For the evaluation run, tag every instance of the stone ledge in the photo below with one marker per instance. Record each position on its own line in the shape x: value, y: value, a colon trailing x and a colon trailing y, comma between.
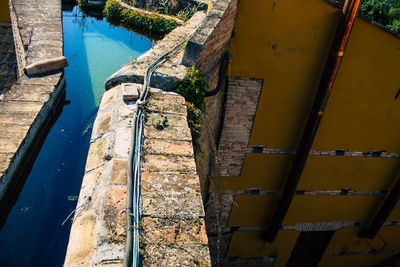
x: 163, y: 163
x: 164, y: 204
x: 170, y: 181
x: 168, y: 147
x: 165, y: 76
x: 209, y: 42
x: 172, y: 227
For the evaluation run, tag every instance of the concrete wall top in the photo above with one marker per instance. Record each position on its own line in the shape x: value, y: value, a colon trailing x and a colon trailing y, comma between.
x: 26, y: 107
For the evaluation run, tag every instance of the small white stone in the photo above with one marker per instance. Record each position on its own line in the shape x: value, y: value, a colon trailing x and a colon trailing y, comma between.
x: 131, y: 91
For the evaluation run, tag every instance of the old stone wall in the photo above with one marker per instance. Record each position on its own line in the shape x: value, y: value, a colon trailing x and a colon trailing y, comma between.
x: 172, y: 227
x: 207, y: 46
x: 28, y: 107
x: 8, y: 61
x: 166, y: 75
x: 172, y: 224
x: 207, y: 51
x: 98, y: 232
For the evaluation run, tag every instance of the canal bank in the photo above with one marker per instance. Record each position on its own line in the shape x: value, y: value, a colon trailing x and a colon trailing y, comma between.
x: 34, y: 229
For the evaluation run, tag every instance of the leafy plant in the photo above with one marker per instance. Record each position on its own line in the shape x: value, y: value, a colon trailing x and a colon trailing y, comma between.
x: 385, y: 12
x: 83, y: 4
x: 160, y: 124
x: 193, y: 87
x: 113, y: 11
x: 150, y: 24
x: 129, y: 2
x: 187, y: 12
x: 163, y: 6
x: 194, y: 121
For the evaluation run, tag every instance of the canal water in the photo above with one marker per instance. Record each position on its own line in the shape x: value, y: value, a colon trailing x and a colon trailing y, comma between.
x: 33, y: 234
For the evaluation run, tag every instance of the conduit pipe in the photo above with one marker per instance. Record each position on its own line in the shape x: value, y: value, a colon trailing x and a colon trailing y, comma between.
x: 131, y: 257
x: 383, y: 213
x: 221, y: 76
x: 317, y: 111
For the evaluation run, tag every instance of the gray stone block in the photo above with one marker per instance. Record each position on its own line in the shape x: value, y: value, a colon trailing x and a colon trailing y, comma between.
x: 131, y: 91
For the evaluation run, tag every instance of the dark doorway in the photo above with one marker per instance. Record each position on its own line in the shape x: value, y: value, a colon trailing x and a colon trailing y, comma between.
x: 309, y: 248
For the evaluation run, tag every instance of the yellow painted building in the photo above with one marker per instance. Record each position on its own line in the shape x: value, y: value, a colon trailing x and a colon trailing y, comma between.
x: 4, y: 11
x: 355, y: 156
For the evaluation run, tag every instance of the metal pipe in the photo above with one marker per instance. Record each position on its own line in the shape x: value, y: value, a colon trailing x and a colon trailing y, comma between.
x: 317, y: 111
x: 221, y: 77
x: 383, y: 213
x: 128, y: 248
x: 131, y: 257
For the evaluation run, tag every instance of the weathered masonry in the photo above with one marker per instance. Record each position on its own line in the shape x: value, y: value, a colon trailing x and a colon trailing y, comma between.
x: 262, y: 83
x: 172, y: 223
x: 30, y: 31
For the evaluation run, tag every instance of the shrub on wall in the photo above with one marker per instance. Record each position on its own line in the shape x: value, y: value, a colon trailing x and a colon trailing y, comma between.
x: 113, y: 11
x: 193, y: 88
x: 152, y: 24
x: 385, y: 12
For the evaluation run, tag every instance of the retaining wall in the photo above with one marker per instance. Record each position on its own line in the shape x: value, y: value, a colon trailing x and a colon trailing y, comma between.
x: 172, y: 224
x: 27, y: 109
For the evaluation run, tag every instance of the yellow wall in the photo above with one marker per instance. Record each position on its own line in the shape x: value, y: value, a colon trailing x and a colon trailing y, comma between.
x: 4, y: 12
x: 286, y: 44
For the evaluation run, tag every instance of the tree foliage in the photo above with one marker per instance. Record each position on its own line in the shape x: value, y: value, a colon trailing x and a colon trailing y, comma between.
x: 385, y: 12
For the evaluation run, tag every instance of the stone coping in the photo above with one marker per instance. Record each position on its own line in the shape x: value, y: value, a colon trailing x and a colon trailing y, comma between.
x: 27, y: 107
x: 170, y: 71
x: 210, y: 41
x: 172, y: 228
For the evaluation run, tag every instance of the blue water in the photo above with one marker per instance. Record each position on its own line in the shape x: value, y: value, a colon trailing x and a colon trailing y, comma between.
x: 33, y: 234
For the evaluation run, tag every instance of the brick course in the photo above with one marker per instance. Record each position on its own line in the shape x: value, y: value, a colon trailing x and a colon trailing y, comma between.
x: 241, y: 106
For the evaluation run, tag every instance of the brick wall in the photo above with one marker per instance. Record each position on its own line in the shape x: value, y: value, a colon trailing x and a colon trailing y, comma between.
x: 242, y: 97
x: 241, y: 106
x: 210, y: 41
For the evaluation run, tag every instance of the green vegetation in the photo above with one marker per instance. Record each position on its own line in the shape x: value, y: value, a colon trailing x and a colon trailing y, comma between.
x: 193, y: 88
x: 385, y: 12
x: 153, y: 25
x: 172, y: 8
x: 160, y: 124
x: 186, y: 13
x: 83, y: 4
